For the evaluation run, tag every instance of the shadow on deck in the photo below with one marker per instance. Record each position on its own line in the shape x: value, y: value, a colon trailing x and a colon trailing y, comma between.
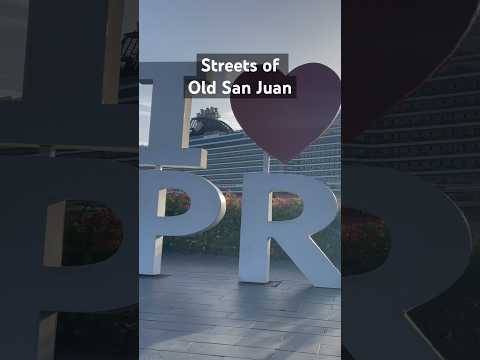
x: 198, y: 310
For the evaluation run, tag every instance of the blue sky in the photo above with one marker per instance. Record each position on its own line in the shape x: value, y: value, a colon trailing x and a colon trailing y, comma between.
x: 308, y: 30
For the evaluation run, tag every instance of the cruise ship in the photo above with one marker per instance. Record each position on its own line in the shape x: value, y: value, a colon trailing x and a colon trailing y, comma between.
x: 435, y: 132
x: 232, y: 154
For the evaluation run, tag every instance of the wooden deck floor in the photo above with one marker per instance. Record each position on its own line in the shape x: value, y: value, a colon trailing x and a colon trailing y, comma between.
x: 199, y: 311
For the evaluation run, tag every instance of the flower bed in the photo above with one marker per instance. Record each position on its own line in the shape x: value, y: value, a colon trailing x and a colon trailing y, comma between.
x: 224, y: 239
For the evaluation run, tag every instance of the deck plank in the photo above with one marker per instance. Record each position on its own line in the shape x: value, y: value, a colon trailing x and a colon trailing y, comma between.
x: 199, y: 310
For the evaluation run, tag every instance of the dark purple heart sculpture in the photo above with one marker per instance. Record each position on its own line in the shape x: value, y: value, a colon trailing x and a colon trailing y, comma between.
x: 389, y: 47
x: 284, y: 127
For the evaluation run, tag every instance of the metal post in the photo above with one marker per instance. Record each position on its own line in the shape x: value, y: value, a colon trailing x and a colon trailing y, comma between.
x: 266, y: 163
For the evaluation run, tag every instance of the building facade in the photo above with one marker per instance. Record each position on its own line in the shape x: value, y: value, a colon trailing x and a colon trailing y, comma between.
x: 128, y: 90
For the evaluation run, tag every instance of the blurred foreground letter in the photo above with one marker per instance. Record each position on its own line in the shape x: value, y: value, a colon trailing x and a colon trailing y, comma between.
x: 431, y: 246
